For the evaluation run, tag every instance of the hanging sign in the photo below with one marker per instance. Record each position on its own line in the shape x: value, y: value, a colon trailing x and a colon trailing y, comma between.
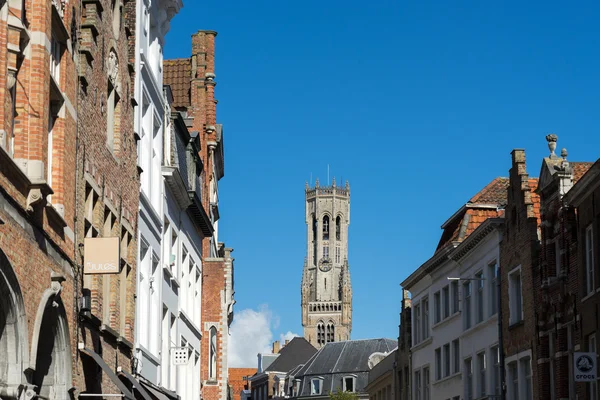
x: 101, y: 256
x: 585, y: 367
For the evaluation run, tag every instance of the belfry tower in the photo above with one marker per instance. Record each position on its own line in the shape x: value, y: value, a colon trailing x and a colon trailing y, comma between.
x: 326, y: 287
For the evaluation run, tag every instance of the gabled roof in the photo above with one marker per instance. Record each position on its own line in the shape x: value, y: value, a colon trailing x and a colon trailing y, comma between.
x: 296, y: 352
x: 487, y: 203
x: 178, y: 75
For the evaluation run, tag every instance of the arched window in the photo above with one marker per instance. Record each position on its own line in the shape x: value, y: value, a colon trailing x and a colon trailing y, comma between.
x: 330, y: 332
x: 326, y: 227
x: 212, y: 368
x: 338, y: 227
x: 321, y: 333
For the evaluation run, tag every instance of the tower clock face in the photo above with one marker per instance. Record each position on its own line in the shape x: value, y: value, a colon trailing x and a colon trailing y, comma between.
x: 324, y: 265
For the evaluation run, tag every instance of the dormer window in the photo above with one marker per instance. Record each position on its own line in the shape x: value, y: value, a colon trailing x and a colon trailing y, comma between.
x: 316, y: 386
x: 326, y: 227
x: 338, y: 224
x: 348, y: 383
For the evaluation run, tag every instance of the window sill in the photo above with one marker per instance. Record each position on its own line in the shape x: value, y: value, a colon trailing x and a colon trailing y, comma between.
x: 447, y: 378
x: 480, y: 325
x: 589, y: 295
x: 445, y: 320
x: 422, y: 344
x: 515, y: 325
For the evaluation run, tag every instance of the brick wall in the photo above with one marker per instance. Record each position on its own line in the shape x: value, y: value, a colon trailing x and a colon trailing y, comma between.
x: 519, y: 247
x: 37, y: 232
x: 107, y: 171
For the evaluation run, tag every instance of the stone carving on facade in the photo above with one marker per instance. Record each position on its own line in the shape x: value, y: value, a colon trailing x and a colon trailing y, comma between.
x: 34, y: 198
x: 112, y: 67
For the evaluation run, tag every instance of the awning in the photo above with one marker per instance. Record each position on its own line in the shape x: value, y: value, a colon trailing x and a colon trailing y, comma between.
x: 159, y: 394
x: 136, y: 385
x: 113, y: 377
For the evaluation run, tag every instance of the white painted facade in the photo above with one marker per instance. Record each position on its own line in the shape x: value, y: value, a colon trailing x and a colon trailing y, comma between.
x: 169, y: 272
x: 454, y: 334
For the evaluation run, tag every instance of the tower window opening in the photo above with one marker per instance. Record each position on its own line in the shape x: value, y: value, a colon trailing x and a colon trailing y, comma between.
x: 325, y: 252
x: 326, y: 227
x: 338, y: 222
x: 320, y: 333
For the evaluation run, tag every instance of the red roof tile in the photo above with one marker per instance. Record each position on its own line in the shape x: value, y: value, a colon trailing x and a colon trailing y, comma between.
x: 535, y: 199
x: 178, y: 75
x: 477, y: 211
x: 579, y: 169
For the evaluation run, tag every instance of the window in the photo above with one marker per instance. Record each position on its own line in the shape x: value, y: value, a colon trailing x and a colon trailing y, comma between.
x: 438, y: 364
x: 481, y: 365
x: 455, y: 297
x: 496, y: 380
x: 557, y: 255
x: 348, y: 383
x: 468, y: 379
x: 55, y: 56
x: 316, y: 386
x: 446, y: 360
x: 425, y: 384
x: 330, y: 332
x: 456, y: 350
x: 212, y: 368
x: 425, y: 310
x: 321, y: 333
x: 513, y: 381
x: 437, y: 305
x: 418, y: 387
x: 338, y: 227
x: 112, y: 116
x: 515, y: 296
x: 589, y: 258
x: 480, y: 283
x: 593, y: 386
x: 325, y: 252
x: 338, y: 257
x: 493, y: 273
x: 326, y: 227
x: 467, y: 307
x: 296, y: 387
x: 446, y: 298
x: 417, y: 325
x: 526, y: 366
x: 552, y: 354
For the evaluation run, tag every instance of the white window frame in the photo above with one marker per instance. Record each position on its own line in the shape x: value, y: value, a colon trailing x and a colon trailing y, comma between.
x: 495, y: 386
x: 468, y: 378
x: 493, y: 288
x: 437, y: 307
x: 468, y: 306
x: 313, y: 391
x: 589, y: 259
x: 447, y: 361
x: 345, y: 386
x: 417, y: 325
x: 456, y: 355
x: 482, y: 373
x: 455, y: 295
x: 516, y: 310
x: 425, y: 317
x: 516, y: 376
x: 479, y: 297
x: 446, y: 302
x: 438, y: 364
x: 418, y: 387
x: 426, y: 384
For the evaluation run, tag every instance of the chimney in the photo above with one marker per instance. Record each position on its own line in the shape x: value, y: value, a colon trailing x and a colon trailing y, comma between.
x: 286, y: 342
x: 276, y: 347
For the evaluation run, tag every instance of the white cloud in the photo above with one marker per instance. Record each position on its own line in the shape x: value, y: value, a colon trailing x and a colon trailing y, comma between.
x: 286, y: 336
x: 251, y: 334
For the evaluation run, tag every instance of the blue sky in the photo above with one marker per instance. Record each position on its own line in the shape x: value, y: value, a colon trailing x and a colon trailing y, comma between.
x: 417, y: 104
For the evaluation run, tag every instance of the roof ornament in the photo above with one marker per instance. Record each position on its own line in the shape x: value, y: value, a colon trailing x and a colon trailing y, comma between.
x: 565, y: 163
x: 317, y: 183
x: 333, y: 182
x: 552, y: 139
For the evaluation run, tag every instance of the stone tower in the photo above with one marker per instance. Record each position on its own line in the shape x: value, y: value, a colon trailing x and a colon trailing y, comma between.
x: 326, y: 287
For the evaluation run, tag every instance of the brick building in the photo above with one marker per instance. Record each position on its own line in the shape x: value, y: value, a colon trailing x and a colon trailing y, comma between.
x: 192, y: 81
x: 519, y: 264
x: 239, y: 381
x: 580, y: 244
x: 37, y: 198
x: 107, y: 193
x: 403, y: 363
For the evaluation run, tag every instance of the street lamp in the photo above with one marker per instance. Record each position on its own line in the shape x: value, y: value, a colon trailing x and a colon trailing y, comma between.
x: 500, y: 344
